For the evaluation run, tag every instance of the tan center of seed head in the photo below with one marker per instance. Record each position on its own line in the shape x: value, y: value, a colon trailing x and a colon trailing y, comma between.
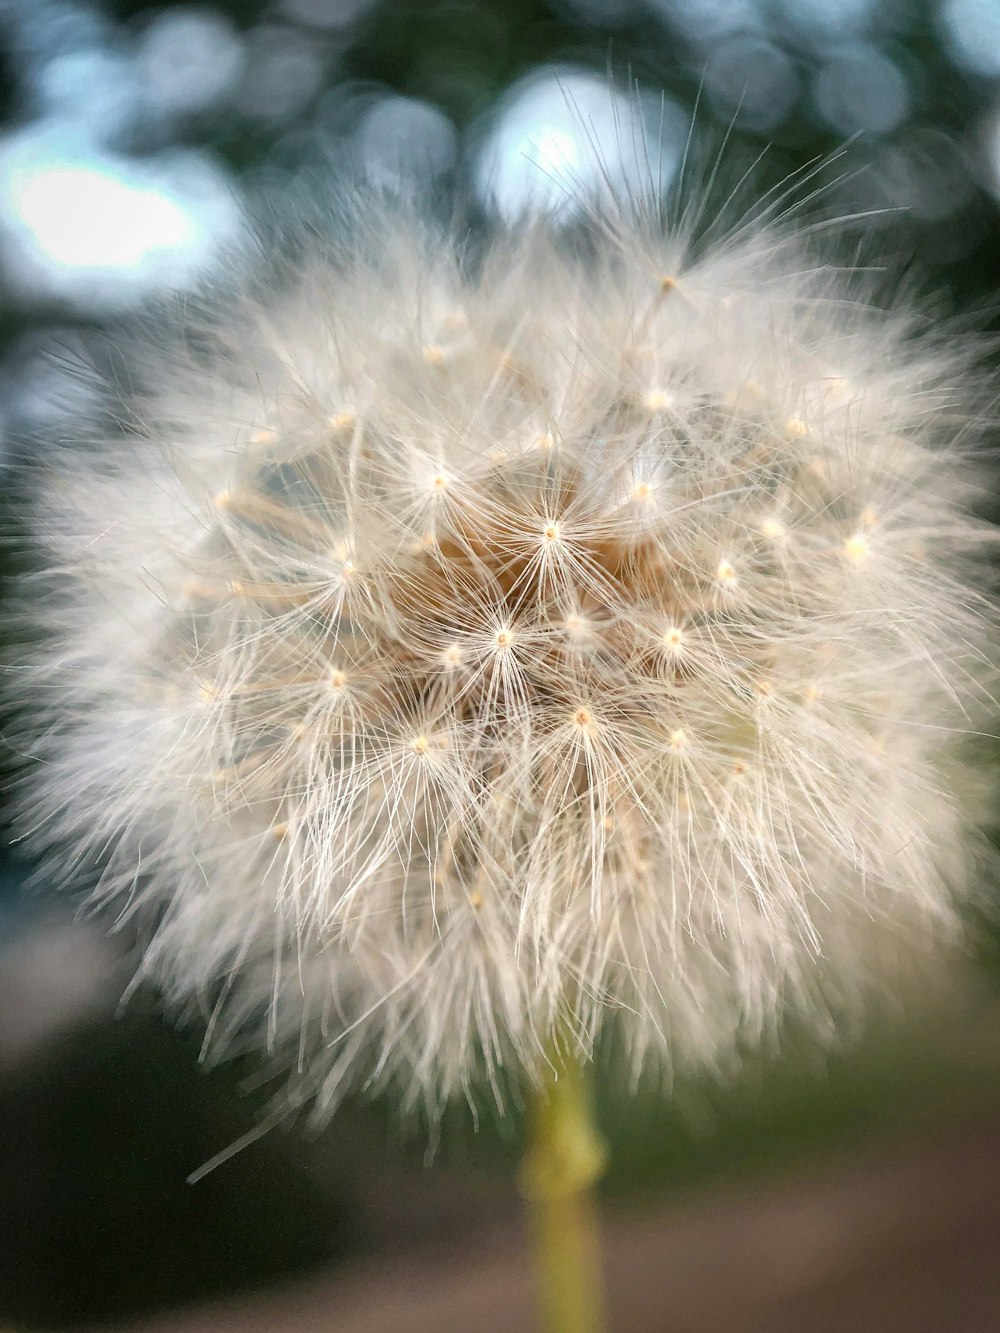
x: 421, y: 745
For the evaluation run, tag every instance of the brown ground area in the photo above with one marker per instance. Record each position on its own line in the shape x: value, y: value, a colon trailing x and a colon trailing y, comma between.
x: 904, y: 1239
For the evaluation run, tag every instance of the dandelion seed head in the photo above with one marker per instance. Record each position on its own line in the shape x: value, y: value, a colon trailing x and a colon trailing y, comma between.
x: 466, y: 645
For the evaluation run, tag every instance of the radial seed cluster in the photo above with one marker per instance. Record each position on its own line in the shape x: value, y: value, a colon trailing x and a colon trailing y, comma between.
x: 459, y: 647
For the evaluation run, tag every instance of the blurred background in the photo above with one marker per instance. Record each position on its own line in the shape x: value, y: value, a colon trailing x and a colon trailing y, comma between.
x: 854, y: 1191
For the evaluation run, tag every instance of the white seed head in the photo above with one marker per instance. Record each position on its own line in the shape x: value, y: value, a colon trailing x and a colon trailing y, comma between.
x: 409, y: 736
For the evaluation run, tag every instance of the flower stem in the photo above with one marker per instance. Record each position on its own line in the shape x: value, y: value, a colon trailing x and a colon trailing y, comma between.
x: 565, y: 1157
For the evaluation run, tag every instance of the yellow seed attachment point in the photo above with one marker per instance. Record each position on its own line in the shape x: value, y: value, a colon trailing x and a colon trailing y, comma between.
x: 262, y: 435
x: 342, y: 422
x: 338, y: 678
x: 434, y: 355
x: 796, y: 427
x: 583, y: 717
x: 452, y: 657
x: 774, y: 529
x: 551, y: 532
x: 421, y: 745
x: 856, y: 549
x: 667, y: 283
x: 503, y: 638
x: 658, y: 400
x: 725, y: 573
x: 673, y: 639
x: 455, y: 320
x: 678, y: 738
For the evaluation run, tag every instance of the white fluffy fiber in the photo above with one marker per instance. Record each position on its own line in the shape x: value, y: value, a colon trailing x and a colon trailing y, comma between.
x: 456, y: 646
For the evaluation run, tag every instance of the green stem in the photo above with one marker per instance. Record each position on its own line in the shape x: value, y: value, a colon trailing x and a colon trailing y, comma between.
x: 565, y: 1158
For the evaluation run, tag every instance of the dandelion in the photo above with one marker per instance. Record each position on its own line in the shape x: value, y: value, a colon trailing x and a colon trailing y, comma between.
x: 469, y: 651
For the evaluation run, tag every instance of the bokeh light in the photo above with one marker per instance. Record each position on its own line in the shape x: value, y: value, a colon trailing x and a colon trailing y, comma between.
x: 401, y: 140
x: 563, y: 136
x: 748, y: 77
x: 859, y: 89
x: 972, y: 32
x: 102, y: 230
x: 187, y: 61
